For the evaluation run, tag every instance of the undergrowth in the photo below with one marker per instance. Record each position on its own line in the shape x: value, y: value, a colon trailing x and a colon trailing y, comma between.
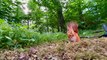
x: 17, y: 35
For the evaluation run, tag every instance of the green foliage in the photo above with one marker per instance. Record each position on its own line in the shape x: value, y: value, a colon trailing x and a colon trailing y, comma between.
x: 85, y: 32
x: 16, y: 35
x: 90, y: 33
x: 11, y: 11
x: 90, y: 14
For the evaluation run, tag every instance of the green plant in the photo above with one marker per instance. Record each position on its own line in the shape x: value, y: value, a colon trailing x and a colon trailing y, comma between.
x: 17, y: 35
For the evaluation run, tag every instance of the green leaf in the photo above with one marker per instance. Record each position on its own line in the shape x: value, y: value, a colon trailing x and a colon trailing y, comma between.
x: 8, y: 38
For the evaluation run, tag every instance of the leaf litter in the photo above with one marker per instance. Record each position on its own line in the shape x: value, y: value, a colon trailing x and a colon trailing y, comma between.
x: 87, y: 49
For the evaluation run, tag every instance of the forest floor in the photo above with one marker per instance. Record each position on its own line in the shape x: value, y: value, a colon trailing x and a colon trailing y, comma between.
x: 87, y: 49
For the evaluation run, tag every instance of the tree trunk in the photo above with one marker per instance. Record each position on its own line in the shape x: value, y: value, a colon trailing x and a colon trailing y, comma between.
x: 61, y: 21
x: 28, y: 23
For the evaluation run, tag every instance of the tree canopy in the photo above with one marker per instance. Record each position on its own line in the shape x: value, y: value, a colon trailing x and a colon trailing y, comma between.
x: 52, y: 15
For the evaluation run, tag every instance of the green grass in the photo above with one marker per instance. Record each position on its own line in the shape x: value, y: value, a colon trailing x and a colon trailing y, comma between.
x: 90, y: 33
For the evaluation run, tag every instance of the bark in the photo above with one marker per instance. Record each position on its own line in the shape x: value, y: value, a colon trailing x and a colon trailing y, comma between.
x: 28, y: 23
x: 61, y: 21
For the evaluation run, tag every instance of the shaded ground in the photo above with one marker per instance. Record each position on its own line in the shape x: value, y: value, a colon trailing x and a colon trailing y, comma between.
x: 87, y: 49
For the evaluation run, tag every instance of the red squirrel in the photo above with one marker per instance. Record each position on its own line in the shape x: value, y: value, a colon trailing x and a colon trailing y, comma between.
x: 72, y: 32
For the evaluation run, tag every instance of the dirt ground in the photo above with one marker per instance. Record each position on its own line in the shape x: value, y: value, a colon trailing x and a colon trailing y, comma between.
x: 87, y: 49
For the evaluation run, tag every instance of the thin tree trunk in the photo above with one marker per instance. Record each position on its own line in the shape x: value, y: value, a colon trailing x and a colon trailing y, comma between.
x: 28, y: 23
x: 61, y: 21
